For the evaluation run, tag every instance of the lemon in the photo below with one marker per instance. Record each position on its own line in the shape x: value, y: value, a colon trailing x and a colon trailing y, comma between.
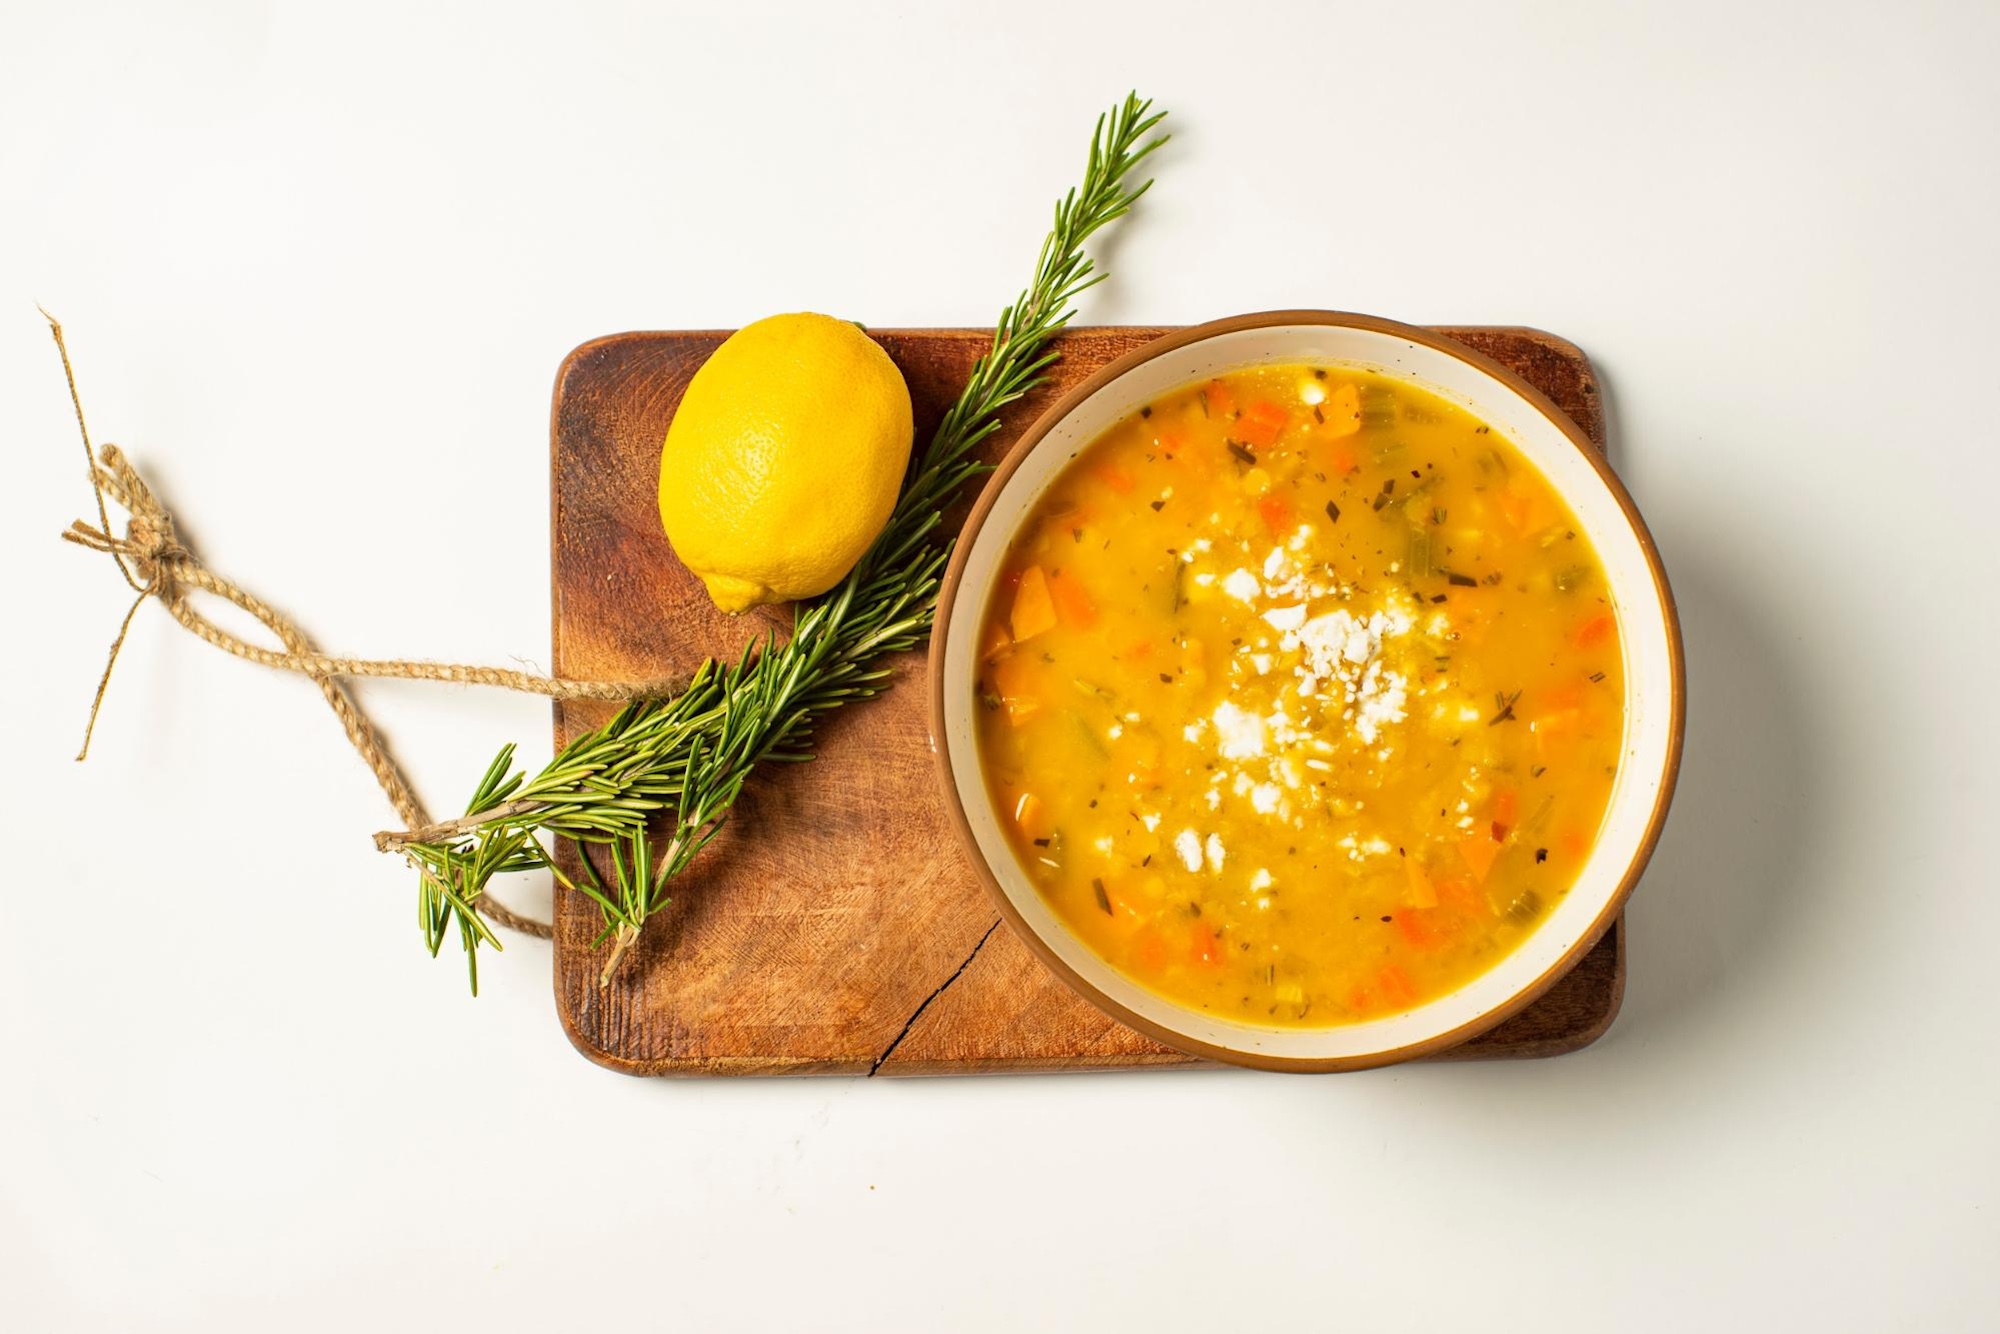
x: 784, y: 459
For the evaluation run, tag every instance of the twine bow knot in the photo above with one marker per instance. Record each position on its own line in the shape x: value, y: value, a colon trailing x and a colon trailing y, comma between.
x: 151, y: 548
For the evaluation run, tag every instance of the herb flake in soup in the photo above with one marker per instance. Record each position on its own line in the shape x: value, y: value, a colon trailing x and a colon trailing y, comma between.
x: 1301, y: 696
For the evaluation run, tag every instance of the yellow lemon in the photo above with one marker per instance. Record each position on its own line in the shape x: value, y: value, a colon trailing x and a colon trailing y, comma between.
x: 784, y: 459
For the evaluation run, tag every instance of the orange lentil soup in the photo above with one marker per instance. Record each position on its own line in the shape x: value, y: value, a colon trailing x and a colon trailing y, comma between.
x: 1301, y: 696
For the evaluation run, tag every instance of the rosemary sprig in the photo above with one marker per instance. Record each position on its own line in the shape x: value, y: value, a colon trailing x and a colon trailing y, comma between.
x: 685, y: 758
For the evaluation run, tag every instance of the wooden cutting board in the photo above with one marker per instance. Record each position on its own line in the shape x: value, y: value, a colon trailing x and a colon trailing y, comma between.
x: 834, y: 927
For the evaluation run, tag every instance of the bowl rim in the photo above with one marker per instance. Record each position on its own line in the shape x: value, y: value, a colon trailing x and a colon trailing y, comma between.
x: 955, y: 799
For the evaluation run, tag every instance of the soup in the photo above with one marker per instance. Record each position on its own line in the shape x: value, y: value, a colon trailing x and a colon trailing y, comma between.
x: 1300, y: 696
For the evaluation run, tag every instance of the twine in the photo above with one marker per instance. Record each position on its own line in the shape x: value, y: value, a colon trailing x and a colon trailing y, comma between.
x: 156, y: 564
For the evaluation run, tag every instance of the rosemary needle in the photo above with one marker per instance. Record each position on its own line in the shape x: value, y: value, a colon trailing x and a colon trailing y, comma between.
x: 681, y: 761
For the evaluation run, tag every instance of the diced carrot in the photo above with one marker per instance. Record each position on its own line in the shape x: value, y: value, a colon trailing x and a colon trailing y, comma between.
x: 1204, y: 948
x: 996, y: 640
x: 1034, y: 611
x: 1073, y: 604
x: 1149, y: 950
x: 1261, y: 422
x: 1342, y: 411
x: 1560, y: 712
x: 1479, y: 852
x: 1420, y: 927
x: 1457, y: 892
x: 1563, y: 699
x: 1220, y: 398
x: 1013, y: 677
x: 1575, y: 844
x: 1422, y: 894
x: 1524, y: 509
x: 1030, y: 816
x: 1117, y: 900
x: 1114, y: 477
x: 1199, y: 463
x: 1140, y: 651
x: 1395, y: 986
x: 1276, y: 511
x: 1360, y: 1000
x: 1506, y: 806
x: 1341, y: 459
x: 1552, y: 732
x: 1595, y: 630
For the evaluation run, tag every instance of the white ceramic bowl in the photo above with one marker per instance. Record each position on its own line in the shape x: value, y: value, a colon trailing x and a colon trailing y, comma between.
x: 1654, y: 686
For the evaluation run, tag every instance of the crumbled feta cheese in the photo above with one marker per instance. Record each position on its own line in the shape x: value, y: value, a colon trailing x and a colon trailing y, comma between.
x: 1187, y: 846
x: 1240, y: 734
x: 1340, y: 646
x: 1241, y: 585
x: 1214, y: 853
x: 1286, y: 618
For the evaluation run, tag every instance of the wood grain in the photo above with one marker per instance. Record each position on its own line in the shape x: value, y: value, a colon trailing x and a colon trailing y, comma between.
x: 834, y: 928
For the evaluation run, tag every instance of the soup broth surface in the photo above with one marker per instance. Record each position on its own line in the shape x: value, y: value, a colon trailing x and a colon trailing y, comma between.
x: 1300, y: 696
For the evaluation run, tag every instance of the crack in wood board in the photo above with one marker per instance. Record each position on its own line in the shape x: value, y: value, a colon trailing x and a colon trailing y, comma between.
x: 918, y: 1013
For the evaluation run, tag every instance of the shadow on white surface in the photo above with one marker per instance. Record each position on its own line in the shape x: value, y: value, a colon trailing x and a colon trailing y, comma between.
x: 1731, y: 867
x: 1731, y: 863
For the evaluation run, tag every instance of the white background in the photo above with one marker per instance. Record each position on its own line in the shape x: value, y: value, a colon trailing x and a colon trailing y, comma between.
x: 319, y: 264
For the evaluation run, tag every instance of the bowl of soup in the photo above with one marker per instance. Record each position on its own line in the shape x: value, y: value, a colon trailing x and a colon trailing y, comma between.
x: 1307, y: 691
